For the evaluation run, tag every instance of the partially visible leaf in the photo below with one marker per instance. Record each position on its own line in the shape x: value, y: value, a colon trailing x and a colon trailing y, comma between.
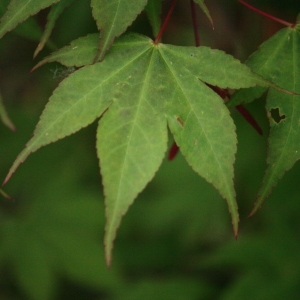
x: 246, y: 95
x: 53, y: 15
x: 4, y: 116
x: 284, y: 145
x: 28, y: 29
x: 79, y: 53
x: 261, y: 65
x: 112, y: 18
x: 205, y: 10
x: 5, y: 195
x: 18, y: 11
x: 153, y: 10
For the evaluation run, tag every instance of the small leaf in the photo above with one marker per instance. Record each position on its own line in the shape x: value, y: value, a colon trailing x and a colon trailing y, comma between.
x: 28, y: 29
x: 284, y: 150
x: 5, y: 195
x: 112, y: 18
x: 79, y: 53
x: 205, y: 10
x: 53, y: 15
x: 284, y: 145
x: 153, y: 10
x: 19, y: 10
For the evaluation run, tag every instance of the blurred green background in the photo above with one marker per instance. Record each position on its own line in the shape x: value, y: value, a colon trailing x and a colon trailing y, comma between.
x: 176, y: 241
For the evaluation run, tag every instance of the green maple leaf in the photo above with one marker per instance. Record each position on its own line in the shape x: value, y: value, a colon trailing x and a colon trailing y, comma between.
x: 139, y: 89
x: 279, y: 60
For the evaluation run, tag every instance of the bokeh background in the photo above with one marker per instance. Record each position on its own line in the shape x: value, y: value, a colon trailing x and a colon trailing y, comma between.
x: 176, y: 241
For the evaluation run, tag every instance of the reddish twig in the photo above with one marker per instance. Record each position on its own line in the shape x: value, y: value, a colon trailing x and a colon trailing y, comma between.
x: 165, y: 23
x: 240, y: 108
x: 249, y: 118
x: 285, y: 23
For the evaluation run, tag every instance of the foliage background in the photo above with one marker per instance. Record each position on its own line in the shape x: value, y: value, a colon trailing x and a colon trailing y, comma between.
x: 176, y: 240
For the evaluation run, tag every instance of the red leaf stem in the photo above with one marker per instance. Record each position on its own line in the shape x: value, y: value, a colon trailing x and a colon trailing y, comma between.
x: 285, y: 23
x: 249, y: 118
x: 165, y: 23
x: 240, y: 108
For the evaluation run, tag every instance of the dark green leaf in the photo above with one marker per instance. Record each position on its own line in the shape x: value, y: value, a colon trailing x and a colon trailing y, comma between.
x: 153, y: 10
x: 205, y: 9
x: 19, y: 10
x: 278, y: 60
x: 53, y: 15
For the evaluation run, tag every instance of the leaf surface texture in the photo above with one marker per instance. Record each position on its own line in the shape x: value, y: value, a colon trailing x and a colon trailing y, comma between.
x: 138, y: 90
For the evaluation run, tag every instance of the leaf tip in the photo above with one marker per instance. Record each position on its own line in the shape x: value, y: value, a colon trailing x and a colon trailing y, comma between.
x: 6, y: 179
x: 253, y: 211
x: 236, y: 229
x: 37, y: 51
x: 108, y: 254
x: 10, y: 125
x: 236, y: 234
x: 5, y: 195
x: 258, y: 203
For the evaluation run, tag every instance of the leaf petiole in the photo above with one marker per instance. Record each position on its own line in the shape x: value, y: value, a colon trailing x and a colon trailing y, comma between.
x: 285, y: 23
x: 165, y: 23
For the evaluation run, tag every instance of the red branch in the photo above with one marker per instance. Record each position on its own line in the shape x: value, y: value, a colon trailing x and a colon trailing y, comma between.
x: 166, y: 21
x: 249, y: 118
x: 285, y: 23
